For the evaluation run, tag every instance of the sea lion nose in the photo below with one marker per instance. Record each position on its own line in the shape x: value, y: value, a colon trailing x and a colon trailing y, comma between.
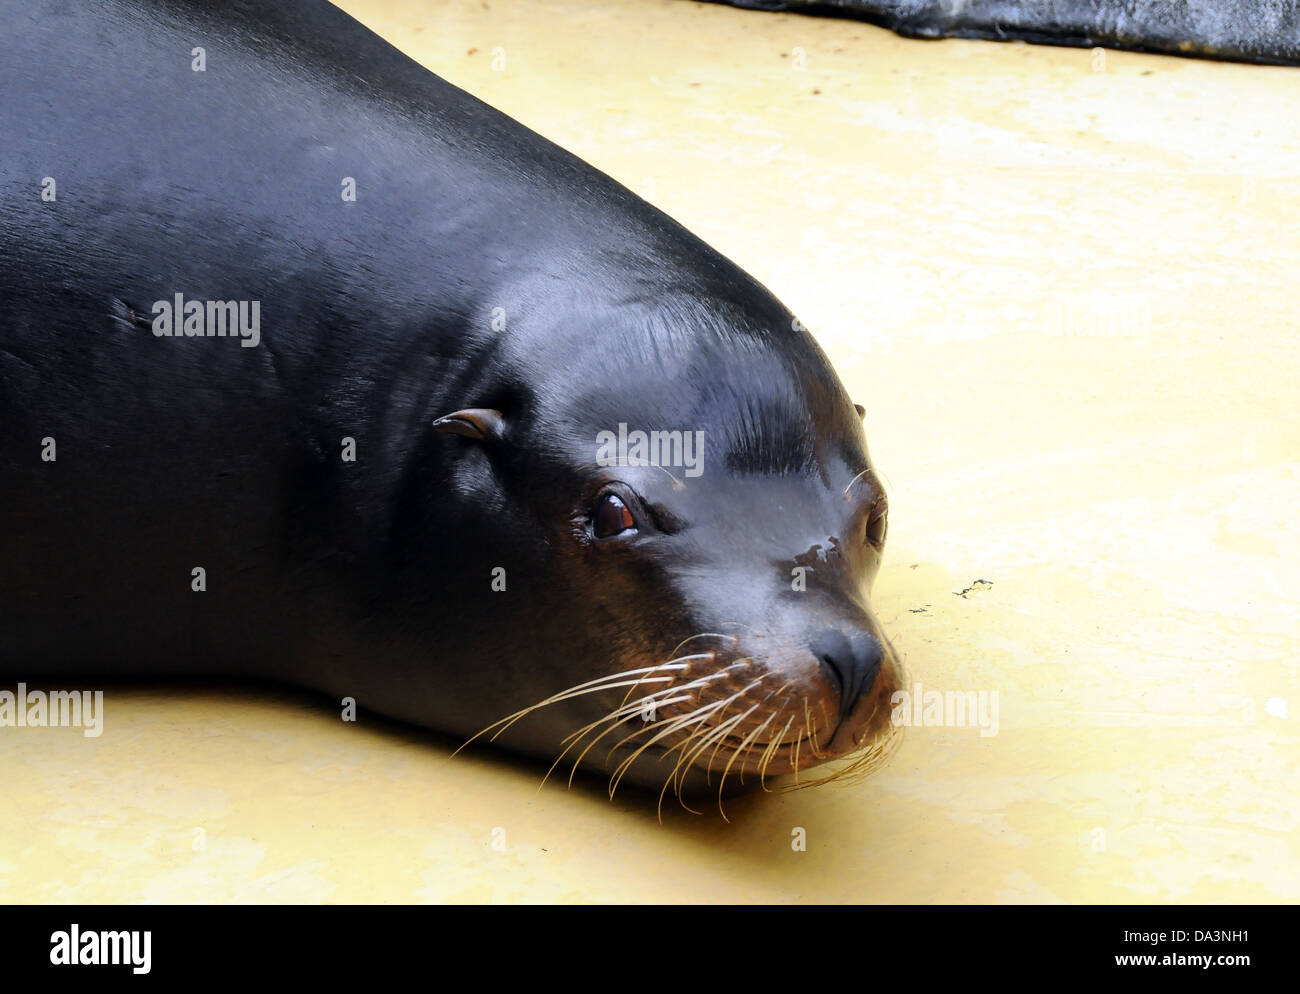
x: 850, y: 661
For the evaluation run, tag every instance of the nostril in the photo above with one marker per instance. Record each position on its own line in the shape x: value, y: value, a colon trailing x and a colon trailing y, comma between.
x: 837, y: 677
x: 833, y: 651
x: 850, y: 664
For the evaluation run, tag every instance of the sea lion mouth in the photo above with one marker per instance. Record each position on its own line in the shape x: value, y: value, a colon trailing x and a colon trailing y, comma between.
x: 739, y: 720
x: 714, y: 757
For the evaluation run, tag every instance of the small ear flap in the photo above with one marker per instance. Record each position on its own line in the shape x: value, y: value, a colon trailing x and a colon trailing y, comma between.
x: 478, y: 423
x: 862, y: 411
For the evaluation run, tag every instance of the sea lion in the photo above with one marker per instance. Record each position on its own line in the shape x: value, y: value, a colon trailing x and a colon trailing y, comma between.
x: 315, y: 369
x: 1262, y: 31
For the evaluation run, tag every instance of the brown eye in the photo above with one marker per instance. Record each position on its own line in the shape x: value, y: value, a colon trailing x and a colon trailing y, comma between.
x: 878, y: 525
x: 611, y: 517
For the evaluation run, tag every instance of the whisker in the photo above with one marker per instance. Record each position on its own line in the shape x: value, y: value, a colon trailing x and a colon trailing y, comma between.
x: 861, y: 765
x: 578, y: 690
x: 567, y: 696
x: 719, y: 732
x: 683, y: 745
x: 698, y: 682
x: 697, y: 726
x: 697, y: 715
x: 716, y: 736
x: 679, y: 659
x: 723, y: 728
x: 771, y: 752
x: 718, y: 635
x: 855, y: 480
x: 622, y: 713
x: 633, y: 712
x: 740, y: 693
x: 747, y: 743
x: 721, y: 736
x: 701, y: 681
x: 673, y: 724
x: 647, y: 699
x: 767, y: 697
x: 812, y: 731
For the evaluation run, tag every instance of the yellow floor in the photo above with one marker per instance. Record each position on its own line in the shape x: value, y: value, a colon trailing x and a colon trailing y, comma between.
x: 1064, y: 288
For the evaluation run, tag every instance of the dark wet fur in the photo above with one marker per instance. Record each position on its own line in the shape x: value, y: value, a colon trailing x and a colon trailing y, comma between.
x: 1262, y: 31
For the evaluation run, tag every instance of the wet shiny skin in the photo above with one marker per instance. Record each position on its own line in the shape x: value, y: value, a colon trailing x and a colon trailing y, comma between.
x: 1062, y: 296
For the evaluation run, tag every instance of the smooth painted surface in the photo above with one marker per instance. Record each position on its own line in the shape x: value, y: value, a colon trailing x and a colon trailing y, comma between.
x: 1063, y: 285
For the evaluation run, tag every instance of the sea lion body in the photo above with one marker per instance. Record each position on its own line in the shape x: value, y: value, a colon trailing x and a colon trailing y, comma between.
x: 1263, y: 31
x: 448, y: 573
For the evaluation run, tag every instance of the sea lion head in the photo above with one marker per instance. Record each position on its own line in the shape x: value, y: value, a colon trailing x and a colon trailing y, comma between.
x: 687, y: 510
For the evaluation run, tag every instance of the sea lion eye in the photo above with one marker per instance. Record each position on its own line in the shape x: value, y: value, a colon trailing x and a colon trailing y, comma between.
x: 611, y: 517
x: 878, y: 525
